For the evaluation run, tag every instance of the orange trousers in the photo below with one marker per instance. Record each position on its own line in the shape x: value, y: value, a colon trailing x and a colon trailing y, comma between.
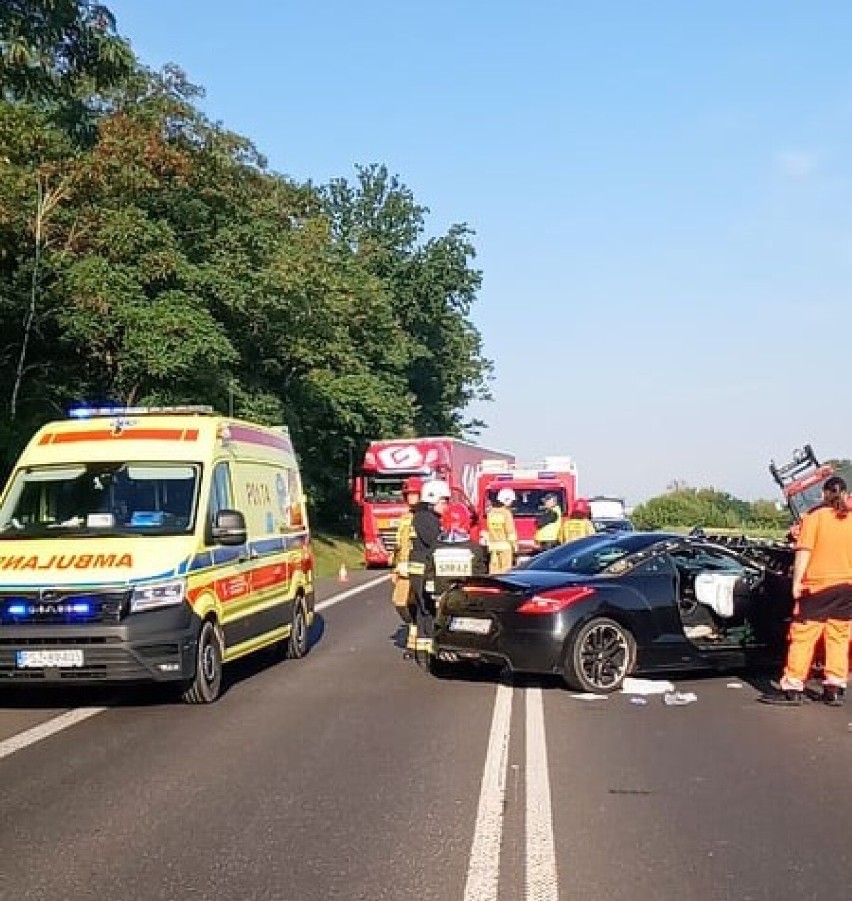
x: 803, y: 639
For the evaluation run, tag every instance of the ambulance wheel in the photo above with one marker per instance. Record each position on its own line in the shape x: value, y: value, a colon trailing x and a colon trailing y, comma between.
x: 298, y: 642
x: 207, y: 682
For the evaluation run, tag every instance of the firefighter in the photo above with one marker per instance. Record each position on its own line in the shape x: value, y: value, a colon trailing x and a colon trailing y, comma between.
x: 822, y: 589
x: 579, y: 525
x: 426, y: 531
x: 500, y: 532
x: 402, y: 596
x: 548, y: 523
x: 456, y: 555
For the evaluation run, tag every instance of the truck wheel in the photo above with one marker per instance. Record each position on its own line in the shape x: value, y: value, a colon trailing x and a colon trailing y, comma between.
x: 207, y: 682
x: 599, y: 657
x: 298, y: 643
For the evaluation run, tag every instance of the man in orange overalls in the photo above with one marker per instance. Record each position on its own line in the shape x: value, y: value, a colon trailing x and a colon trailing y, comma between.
x: 822, y: 589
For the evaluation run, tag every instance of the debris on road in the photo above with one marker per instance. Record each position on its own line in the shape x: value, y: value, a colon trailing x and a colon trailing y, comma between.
x: 632, y: 686
x: 679, y: 698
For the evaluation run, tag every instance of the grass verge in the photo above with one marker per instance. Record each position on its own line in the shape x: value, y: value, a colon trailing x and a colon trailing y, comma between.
x: 332, y: 550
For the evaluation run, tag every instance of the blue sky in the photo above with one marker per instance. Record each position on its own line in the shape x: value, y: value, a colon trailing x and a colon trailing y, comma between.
x: 661, y: 193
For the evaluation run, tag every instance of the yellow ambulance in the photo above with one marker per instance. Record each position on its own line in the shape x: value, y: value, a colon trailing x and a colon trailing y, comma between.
x: 152, y: 544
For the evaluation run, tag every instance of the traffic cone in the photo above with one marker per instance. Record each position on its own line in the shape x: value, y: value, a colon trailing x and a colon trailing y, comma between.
x: 342, y: 574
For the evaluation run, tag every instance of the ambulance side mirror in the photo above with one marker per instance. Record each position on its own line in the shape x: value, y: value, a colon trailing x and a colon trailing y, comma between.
x: 229, y: 528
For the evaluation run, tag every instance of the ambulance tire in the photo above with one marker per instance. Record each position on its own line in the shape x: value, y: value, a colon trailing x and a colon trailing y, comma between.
x: 298, y: 642
x: 207, y: 682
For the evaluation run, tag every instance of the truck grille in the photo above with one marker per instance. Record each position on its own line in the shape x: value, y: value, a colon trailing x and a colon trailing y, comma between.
x: 62, y: 607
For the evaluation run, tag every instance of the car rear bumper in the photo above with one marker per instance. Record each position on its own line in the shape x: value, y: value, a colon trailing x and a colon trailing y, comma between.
x: 534, y: 649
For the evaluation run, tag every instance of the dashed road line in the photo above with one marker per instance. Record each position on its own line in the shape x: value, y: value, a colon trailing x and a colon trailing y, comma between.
x: 45, y: 730
x: 337, y: 598
x: 72, y: 717
x: 483, y: 873
x: 542, y: 881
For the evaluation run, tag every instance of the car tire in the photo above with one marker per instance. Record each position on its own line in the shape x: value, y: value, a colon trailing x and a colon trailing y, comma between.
x: 207, y: 681
x: 298, y: 642
x: 600, y: 655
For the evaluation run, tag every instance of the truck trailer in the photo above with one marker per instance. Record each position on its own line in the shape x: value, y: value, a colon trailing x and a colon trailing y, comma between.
x: 388, y: 463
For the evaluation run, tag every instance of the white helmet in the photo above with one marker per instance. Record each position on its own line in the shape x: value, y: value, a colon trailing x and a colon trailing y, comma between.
x: 434, y: 491
x: 505, y: 496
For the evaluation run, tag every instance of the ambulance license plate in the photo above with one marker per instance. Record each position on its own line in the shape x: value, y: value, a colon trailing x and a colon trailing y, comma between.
x: 64, y: 659
x: 470, y: 624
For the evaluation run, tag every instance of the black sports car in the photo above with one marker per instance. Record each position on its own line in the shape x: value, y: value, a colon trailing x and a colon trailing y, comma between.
x: 600, y: 608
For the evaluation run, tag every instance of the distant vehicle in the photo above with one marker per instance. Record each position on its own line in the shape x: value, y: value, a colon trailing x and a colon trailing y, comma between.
x: 377, y: 487
x: 609, y: 514
x: 531, y: 482
x: 801, y: 480
x: 600, y: 608
x: 613, y: 525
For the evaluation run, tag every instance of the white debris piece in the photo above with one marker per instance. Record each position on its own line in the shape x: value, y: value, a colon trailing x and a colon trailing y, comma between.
x: 632, y: 686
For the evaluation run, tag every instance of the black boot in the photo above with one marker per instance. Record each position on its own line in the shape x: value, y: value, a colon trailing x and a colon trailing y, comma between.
x: 784, y: 698
x: 832, y: 695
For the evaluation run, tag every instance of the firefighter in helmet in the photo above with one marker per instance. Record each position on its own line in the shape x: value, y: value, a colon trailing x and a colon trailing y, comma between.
x: 548, y: 523
x: 579, y: 525
x: 425, y: 534
x: 500, y: 532
x: 456, y: 555
x: 402, y: 597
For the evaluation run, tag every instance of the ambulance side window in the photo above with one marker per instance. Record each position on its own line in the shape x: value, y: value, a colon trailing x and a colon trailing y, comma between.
x: 221, y: 497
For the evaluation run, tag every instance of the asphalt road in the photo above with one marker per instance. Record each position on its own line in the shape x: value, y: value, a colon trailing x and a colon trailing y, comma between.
x: 352, y: 774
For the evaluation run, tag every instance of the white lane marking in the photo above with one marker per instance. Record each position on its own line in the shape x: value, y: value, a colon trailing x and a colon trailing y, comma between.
x: 337, y: 598
x: 542, y: 882
x: 72, y: 717
x: 45, y: 730
x: 483, y: 871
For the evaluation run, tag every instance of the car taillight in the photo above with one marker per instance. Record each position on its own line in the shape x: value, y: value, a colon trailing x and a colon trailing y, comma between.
x: 481, y: 589
x: 554, y: 601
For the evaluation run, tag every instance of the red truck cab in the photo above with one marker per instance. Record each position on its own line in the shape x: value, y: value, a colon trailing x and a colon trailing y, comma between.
x: 378, y: 486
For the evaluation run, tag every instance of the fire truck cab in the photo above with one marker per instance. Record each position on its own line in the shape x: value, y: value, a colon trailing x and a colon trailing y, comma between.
x: 531, y: 482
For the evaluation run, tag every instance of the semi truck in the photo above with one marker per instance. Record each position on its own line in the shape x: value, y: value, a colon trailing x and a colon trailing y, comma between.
x: 531, y: 482
x: 378, y: 484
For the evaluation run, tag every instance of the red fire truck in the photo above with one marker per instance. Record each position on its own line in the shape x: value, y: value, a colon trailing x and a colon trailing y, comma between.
x: 531, y: 482
x: 386, y: 466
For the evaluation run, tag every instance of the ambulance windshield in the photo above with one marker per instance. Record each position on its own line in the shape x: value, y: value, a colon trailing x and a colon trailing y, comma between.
x: 87, y: 499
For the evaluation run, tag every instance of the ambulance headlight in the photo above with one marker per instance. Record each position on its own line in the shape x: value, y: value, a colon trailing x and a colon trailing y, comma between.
x: 160, y: 594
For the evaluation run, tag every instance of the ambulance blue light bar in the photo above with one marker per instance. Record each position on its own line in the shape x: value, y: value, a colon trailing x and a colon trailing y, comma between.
x: 79, y: 608
x: 93, y: 412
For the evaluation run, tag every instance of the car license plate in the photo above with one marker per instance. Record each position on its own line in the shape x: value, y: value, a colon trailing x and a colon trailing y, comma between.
x: 48, y: 659
x: 470, y: 624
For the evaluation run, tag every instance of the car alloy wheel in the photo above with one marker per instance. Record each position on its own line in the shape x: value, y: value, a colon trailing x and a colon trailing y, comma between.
x: 600, y: 656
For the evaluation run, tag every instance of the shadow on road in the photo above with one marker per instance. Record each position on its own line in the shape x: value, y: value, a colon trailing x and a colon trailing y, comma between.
x: 33, y: 696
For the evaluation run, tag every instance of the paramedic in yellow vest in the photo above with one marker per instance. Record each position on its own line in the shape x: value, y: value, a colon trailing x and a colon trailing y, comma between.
x: 548, y: 523
x: 580, y: 524
x: 402, y: 597
x: 500, y: 533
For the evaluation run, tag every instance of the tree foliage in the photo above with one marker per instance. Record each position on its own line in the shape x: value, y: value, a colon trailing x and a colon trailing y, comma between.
x: 682, y: 506
x: 161, y: 261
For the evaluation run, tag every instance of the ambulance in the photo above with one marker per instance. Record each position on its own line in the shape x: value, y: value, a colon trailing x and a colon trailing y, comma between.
x: 152, y: 545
